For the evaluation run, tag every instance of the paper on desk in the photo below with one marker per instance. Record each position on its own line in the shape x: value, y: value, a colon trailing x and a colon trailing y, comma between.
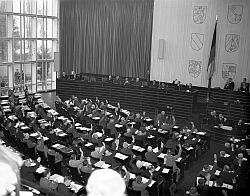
x: 165, y: 171
x: 227, y: 155
x: 217, y: 172
x: 34, y: 134
x: 158, y: 168
x: 108, y: 139
x: 118, y: 126
x: 151, y: 136
x: 121, y: 156
x: 162, y: 155
x: 179, y: 159
x: 57, y: 178
x: 78, y: 124
x: 40, y: 169
x: 201, y: 133
x: 155, y: 150
x: 146, y: 164
x: 62, y: 134
x: 210, y: 183
x: 75, y: 187
x: 88, y: 144
x: 145, y: 180
x: 190, y: 148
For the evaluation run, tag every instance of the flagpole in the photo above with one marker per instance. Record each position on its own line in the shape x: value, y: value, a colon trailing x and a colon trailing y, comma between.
x: 211, y: 70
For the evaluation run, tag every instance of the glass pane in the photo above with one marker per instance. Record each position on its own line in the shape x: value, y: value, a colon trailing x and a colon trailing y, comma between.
x: 40, y: 28
x: 16, y: 6
x: 41, y: 76
x: 5, y: 6
x: 4, y: 80
x: 28, y: 50
x: 17, y: 50
x: 54, y: 28
x: 17, y: 74
x: 28, y: 27
x: 55, y: 4
x: 27, y: 73
x: 40, y: 49
x: 49, y: 7
x: 16, y: 26
x: 49, y: 76
x: 40, y: 9
x: 49, y: 49
x: 3, y: 26
x: 49, y: 28
x: 3, y: 50
x: 27, y: 6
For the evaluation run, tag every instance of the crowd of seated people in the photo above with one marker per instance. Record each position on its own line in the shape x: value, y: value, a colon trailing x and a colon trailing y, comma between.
x: 176, y: 84
x: 76, y: 137
x: 229, y: 173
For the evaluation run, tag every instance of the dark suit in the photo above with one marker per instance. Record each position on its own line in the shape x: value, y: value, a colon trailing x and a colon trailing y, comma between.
x: 244, y: 88
x: 63, y: 189
x: 28, y: 172
x: 229, y: 86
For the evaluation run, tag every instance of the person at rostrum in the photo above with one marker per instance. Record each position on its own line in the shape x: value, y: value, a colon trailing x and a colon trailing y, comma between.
x: 229, y: 85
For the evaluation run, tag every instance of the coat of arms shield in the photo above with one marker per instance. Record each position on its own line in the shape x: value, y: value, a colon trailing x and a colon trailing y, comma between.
x: 232, y: 42
x: 228, y: 70
x: 234, y: 14
x: 199, y: 14
x: 194, y: 68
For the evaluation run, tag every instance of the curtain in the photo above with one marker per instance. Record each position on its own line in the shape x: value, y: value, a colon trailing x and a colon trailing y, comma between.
x: 187, y: 27
x: 110, y: 37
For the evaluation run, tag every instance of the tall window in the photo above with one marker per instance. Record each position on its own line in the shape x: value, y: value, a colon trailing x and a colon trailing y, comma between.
x: 28, y: 40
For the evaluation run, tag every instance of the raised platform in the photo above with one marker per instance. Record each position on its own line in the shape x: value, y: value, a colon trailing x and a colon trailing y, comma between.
x: 133, y: 98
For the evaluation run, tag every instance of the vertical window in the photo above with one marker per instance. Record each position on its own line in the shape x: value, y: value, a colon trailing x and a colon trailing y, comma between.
x: 28, y: 40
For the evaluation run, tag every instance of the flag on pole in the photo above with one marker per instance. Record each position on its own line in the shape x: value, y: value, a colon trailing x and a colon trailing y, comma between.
x: 211, y: 61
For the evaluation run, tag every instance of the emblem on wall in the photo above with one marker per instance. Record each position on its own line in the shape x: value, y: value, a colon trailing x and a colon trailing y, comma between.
x: 194, y: 68
x: 228, y: 70
x: 234, y: 14
x: 199, y: 14
x: 197, y: 41
x: 232, y: 42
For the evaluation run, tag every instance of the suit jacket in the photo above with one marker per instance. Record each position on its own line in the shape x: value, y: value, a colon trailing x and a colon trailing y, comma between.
x: 152, y: 156
x: 244, y: 88
x: 229, y: 86
x: 64, y: 190
x: 28, y: 172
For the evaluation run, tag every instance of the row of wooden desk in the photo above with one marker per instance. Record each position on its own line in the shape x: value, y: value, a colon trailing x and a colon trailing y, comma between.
x: 232, y: 104
x: 133, y: 98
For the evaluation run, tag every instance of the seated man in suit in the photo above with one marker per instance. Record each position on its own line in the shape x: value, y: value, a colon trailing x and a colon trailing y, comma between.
x: 137, y: 82
x: 170, y: 161
x: 226, y: 175
x: 229, y: 85
x: 63, y: 189
x: 152, y: 156
x: 98, y: 152
x: 138, y: 185
x: 27, y: 170
x: 126, y: 82
x: 117, y: 80
x: 222, y: 160
x: 85, y: 167
x: 160, y: 119
x: 127, y: 149
x: 46, y: 183
x: 244, y: 86
x: 73, y: 162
